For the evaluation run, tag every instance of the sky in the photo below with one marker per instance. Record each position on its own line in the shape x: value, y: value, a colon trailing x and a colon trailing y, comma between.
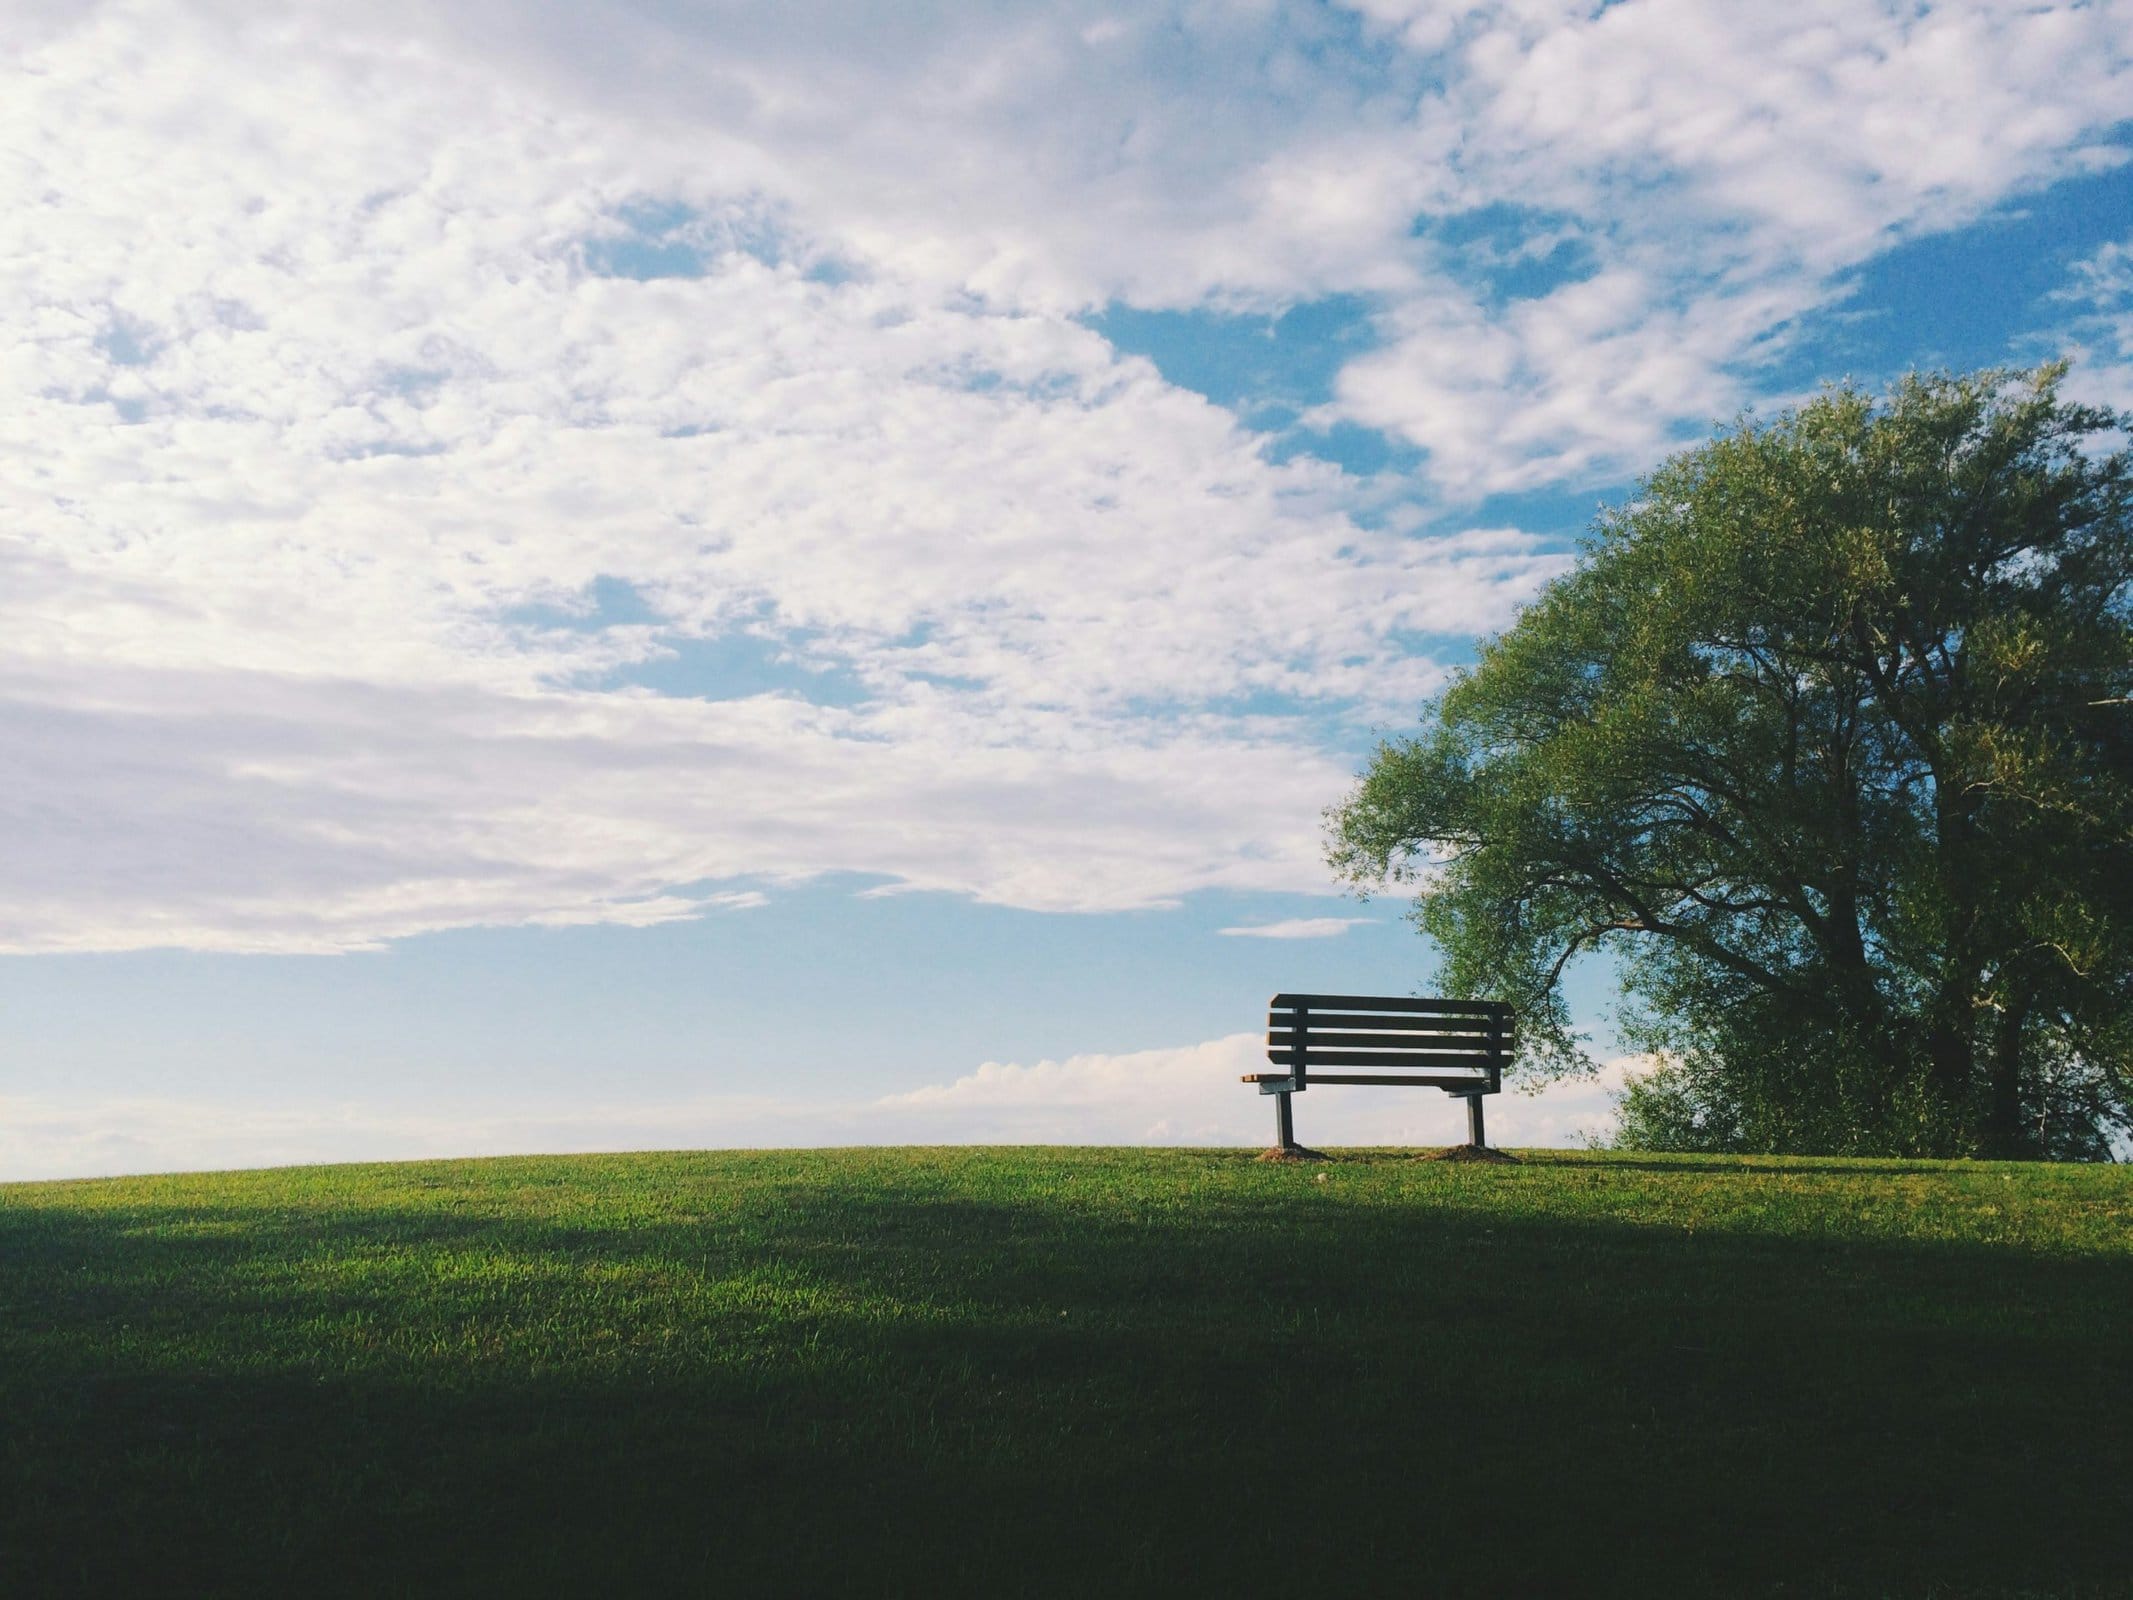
x: 650, y: 575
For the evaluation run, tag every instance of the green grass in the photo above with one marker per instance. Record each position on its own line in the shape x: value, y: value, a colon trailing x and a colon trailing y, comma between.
x: 1055, y: 1371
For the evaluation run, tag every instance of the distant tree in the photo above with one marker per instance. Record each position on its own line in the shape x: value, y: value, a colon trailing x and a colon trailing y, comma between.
x: 1827, y: 740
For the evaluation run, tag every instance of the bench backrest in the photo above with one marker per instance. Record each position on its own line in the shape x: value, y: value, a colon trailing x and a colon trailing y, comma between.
x: 1390, y: 1034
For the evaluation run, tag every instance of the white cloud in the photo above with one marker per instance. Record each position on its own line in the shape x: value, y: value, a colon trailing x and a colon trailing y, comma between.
x: 299, y: 448
x: 1299, y: 928
x: 2099, y: 335
x: 262, y: 812
x: 1193, y: 1095
x: 312, y: 409
x: 1188, y: 1095
x: 1587, y: 383
x: 1725, y: 165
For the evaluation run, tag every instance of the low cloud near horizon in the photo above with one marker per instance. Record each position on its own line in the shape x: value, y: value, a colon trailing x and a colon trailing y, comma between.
x: 1182, y: 1096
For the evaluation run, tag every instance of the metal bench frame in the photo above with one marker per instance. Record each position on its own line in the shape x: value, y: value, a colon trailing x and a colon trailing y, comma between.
x: 1459, y: 1046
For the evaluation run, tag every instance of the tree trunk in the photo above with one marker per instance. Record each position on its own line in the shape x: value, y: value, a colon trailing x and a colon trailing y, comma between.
x: 1952, y: 1021
x: 2006, y: 1135
x: 1950, y: 1062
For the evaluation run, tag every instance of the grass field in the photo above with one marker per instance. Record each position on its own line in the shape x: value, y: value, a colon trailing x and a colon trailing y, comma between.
x: 1070, y: 1371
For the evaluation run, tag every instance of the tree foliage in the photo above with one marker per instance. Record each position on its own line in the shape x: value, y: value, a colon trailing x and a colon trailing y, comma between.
x: 1826, y: 740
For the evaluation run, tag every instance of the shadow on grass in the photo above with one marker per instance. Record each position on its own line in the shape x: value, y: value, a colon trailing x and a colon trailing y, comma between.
x: 798, y: 1389
x: 1805, y: 1166
x: 1697, y: 1168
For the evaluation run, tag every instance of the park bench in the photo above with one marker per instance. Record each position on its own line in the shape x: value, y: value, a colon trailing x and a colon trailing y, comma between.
x: 1459, y: 1046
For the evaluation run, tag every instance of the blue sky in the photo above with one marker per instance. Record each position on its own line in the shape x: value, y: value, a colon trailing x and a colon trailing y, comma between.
x: 673, y: 576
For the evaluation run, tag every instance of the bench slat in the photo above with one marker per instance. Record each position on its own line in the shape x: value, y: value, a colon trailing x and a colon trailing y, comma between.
x: 1319, y: 1038
x: 1394, y: 1020
x: 1402, y: 1081
x: 1476, y: 1085
x: 1314, y: 1058
x: 1365, y: 1002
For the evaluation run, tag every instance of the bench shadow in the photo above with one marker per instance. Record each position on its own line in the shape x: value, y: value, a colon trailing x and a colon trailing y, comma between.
x: 790, y: 1390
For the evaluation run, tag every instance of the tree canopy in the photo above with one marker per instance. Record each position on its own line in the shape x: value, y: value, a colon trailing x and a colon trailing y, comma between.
x: 1827, y: 741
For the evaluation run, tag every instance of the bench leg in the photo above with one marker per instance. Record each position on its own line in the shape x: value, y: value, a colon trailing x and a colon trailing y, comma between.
x: 1285, y: 1146
x: 1474, y: 1135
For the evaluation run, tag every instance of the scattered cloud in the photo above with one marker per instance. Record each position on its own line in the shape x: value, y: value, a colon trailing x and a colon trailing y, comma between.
x: 344, y: 354
x: 1299, y: 928
x: 1720, y: 169
x: 2099, y: 296
x: 261, y: 812
x: 307, y: 454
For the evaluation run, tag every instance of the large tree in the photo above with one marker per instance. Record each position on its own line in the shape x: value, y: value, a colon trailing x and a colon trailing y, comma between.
x: 1826, y: 740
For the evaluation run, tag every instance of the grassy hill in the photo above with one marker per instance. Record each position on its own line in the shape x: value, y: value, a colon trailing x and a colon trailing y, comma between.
x: 1055, y: 1371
